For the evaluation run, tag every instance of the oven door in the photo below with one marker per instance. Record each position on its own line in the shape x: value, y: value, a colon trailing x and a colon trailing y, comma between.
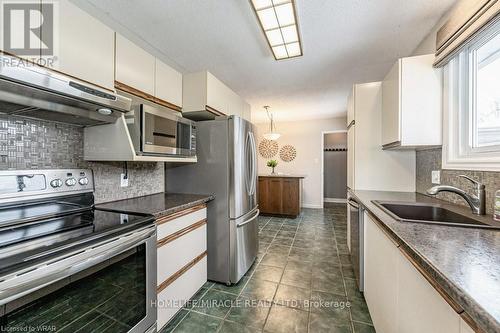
x: 107, y: 287
x: 165, y: 133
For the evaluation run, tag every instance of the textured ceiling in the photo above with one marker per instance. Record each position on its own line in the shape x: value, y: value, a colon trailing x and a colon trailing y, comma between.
x: 344, y: 41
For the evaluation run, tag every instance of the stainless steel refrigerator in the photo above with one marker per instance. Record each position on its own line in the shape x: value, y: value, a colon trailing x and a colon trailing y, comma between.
x: 226, y: 167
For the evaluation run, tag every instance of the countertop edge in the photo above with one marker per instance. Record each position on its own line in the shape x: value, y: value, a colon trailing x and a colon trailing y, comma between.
x: 475, y: 311
x: 282, y: 176
x: 115, y: 205
x: 184, y: 206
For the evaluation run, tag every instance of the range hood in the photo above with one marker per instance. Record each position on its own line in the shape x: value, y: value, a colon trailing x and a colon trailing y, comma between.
x: 32, y: 91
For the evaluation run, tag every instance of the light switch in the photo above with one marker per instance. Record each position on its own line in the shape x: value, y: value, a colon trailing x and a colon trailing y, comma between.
x: 436, y: 176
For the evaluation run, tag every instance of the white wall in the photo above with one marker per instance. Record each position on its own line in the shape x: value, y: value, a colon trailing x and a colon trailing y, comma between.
x: 306, y: 137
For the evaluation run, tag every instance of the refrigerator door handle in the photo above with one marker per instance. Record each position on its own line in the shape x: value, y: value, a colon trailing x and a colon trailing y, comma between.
x: 249, y: 163
x: 254, y: 164
x: 249, y: 220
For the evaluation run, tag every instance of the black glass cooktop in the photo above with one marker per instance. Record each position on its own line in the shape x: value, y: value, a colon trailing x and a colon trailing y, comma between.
x: 30, y: 229
x: 66, y: 227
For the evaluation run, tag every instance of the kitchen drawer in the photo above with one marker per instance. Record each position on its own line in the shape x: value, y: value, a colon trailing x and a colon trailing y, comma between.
x: 172, y: 298
x: 180, y: 249
x: 172, y: 223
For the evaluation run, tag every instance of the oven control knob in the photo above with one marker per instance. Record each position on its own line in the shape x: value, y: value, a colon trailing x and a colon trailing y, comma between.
x: 83, y: 181
x: 56, y: 183
x: 71, y: 181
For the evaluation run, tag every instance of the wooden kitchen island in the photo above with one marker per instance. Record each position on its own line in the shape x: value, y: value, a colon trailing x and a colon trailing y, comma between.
x: 280, y: 195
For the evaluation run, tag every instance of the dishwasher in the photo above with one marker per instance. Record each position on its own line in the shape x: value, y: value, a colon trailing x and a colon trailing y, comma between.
x: 357, y: 240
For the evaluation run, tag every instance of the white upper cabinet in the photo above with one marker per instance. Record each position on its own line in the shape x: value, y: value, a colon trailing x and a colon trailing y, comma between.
x: 411, y: 104
x: 168, y: 84
x: 369, y: 167
x: 134, y: 66
x: 218, y: 94
x: 18, y: 43
x: 205, y: 95
x: 235, y: 104
x: 86, y: 47
x: 350, y: 156
x: 350, y: 108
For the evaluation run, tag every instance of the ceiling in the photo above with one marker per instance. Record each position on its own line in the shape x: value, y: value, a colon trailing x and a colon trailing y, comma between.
x: 344, y: 42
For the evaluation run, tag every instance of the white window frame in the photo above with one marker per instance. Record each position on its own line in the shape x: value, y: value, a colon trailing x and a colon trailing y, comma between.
x: 459, y: 110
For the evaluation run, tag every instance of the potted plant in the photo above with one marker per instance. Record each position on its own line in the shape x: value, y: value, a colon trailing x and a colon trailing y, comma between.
x: 272, y: 164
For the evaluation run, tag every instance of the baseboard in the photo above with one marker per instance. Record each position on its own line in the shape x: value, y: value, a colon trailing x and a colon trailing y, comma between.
x: 304, y: 205
x: 335, y: 200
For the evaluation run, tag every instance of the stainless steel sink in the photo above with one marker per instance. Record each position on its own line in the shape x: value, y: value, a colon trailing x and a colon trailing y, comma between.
x: 409, y: 212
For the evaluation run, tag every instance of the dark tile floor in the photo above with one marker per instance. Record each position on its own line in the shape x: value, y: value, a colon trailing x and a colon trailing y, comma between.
x: 302, y: 282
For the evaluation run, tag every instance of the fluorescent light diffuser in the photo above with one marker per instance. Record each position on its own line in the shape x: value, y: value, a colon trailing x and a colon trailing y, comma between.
x: 280, y: 52
x: 293, y: 49
x: 278, y: 20
x: 274, y: 37
x: 285, y: 14
x: 290, y: 34
x: 268, y: 19
x: 260, y: 4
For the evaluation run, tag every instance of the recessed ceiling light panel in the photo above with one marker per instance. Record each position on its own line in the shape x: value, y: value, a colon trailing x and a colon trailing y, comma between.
x: 278, y: 20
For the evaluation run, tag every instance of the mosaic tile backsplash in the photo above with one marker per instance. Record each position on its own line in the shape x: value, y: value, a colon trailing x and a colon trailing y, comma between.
x: 34, y: 144
x: 428, y: 160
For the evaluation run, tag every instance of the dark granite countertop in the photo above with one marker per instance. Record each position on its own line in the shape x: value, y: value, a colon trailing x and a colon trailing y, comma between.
x: 160, y: 204
x: 464, y: 262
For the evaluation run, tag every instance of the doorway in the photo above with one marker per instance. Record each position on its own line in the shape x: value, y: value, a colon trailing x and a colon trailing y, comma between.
x: 334, y: 165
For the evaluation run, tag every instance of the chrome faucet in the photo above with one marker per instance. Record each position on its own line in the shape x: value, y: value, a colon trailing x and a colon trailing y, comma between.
x: 476, y: 202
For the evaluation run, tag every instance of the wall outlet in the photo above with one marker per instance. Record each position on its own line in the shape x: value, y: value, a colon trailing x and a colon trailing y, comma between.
x: 123, y: 180
x: 436, y: 176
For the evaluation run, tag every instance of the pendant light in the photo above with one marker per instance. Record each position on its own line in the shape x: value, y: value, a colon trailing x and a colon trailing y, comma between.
x: 272, y: 134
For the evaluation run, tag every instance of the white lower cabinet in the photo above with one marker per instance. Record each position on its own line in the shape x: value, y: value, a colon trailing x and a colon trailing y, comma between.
x: 176, y: 254
x: 398, y: 296
x: 172, y: 298
x: 381, y: 259
x: 464, y: 327
x: 421, y: 308
x: 181, y: 260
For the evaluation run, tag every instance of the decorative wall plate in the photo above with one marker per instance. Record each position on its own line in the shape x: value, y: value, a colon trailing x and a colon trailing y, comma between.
x: 268, y: 148
x: 288, y: 153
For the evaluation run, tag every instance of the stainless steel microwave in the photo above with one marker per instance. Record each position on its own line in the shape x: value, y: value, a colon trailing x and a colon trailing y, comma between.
x: 157, y: 130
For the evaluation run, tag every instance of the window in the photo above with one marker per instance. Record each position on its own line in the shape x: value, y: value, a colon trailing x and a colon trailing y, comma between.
x: 472, y: 104
x: 486, y: 130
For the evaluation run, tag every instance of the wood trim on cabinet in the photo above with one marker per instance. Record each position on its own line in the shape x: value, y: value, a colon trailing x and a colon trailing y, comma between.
x: 181, y: 271
x: 214, y: 111
x: 180, y: 233
x: 146, y: 96
x: 165, y: 219
x: 465, y: 316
